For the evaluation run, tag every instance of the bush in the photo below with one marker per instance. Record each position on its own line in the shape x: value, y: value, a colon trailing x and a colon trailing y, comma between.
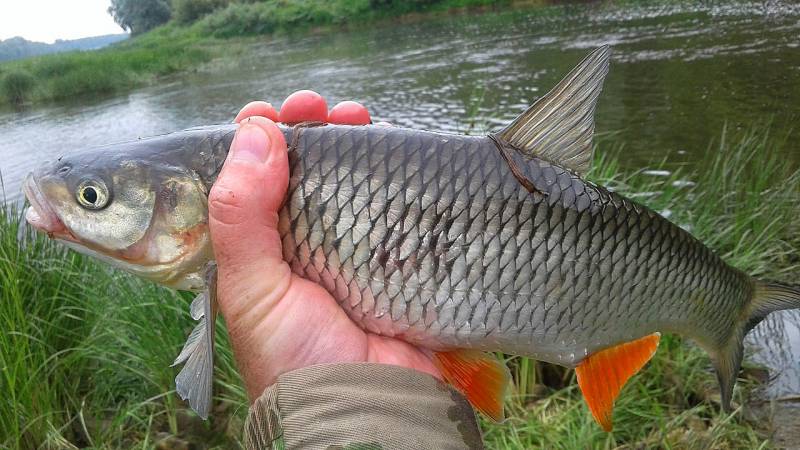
x: 188, y: 11
x: 267, y: 16
x: 239, y: 19
x: 412, y: 3
x: 16, y: 86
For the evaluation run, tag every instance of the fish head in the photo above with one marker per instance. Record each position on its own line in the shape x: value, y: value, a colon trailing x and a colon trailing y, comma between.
x: 129, y: 207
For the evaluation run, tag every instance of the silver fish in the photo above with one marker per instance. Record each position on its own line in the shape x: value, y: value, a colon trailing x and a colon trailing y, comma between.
x: 457, y: 244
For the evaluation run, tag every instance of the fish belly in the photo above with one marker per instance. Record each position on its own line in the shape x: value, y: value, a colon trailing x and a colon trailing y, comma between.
x: 429, y: 237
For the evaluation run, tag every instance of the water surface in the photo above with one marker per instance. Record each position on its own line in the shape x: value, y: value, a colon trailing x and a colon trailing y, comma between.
x: 679, y: 74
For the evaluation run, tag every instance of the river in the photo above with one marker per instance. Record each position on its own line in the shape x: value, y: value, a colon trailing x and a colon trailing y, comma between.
x: 679, y: 74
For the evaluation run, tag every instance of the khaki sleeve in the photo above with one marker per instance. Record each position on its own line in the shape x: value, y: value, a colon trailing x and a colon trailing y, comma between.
x: 361, y: 406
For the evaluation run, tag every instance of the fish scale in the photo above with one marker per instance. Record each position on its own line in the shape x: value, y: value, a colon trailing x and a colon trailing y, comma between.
x: 558, y: 269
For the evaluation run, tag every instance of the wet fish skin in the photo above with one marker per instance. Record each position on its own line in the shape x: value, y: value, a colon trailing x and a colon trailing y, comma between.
x: 430, y: 237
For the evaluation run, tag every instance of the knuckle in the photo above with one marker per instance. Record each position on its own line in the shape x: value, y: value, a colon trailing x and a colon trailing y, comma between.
x: 227, y: 206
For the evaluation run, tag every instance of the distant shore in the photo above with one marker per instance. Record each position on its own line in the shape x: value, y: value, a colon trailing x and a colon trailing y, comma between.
x: 182, y: 45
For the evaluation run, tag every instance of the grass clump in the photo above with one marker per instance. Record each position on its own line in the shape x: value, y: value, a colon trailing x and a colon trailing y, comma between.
x: 16, y: 86
x: 85, y: 350
x: 101, y: 72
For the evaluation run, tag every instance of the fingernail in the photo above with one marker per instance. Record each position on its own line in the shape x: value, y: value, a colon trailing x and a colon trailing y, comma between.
x: 251, y: 144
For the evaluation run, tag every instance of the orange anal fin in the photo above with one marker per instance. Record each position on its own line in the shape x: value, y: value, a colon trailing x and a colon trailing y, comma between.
x: 480, y: 376
x: 602, y: 375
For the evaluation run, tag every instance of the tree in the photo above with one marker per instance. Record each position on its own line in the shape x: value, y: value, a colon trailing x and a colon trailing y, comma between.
x: 139, y: 16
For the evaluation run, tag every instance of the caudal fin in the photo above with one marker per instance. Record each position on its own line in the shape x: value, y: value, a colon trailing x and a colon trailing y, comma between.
x: 767, y: 297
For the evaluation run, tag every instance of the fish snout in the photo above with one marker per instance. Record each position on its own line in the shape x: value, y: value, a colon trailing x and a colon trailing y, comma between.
x: 40, y: 214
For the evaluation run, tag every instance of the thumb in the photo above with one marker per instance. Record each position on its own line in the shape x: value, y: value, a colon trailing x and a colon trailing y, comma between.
x: 243, y: 208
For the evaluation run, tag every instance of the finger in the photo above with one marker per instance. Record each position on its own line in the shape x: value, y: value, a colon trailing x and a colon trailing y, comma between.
x: 349, y: 113
x: 244, y: 202
x: 304, y: 106
x: 257, y: 108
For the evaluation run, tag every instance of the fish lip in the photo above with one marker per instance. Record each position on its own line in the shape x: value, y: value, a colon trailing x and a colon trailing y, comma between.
x: 40, y: 215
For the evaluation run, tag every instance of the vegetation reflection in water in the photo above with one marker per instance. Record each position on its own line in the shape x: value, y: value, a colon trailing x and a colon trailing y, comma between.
x: 86, y: 350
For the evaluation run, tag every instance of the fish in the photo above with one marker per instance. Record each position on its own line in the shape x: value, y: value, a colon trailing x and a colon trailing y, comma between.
x: 460, y: 245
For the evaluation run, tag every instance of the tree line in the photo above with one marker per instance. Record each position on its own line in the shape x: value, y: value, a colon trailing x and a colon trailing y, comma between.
x: 138, y: 16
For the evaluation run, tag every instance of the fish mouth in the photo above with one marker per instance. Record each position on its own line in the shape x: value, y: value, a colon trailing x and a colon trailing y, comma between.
x: 40, y: 215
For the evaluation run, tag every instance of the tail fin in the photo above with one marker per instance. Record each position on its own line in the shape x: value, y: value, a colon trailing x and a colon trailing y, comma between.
x: 767, y: 297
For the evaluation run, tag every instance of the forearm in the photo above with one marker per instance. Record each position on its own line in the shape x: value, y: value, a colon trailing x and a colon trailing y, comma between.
x: 361, y: 406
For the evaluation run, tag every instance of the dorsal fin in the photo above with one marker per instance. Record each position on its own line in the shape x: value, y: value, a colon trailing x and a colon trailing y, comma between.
x: 559, y: 126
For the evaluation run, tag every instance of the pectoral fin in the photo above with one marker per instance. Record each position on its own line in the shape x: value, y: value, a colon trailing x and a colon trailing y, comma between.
x: 602, y: 375
x: 197, y: 309
x: 480, y: 376
x: 195, y: 381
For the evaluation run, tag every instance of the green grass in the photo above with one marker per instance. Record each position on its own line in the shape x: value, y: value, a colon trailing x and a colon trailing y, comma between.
x: 85, y: 353
x: 15, y: 86
x: 85, y: 350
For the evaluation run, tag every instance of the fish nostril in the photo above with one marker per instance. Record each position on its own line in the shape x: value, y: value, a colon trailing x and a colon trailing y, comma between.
x: 63, y: 170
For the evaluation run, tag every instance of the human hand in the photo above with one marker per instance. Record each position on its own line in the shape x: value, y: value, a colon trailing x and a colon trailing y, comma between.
x: 278, y: 321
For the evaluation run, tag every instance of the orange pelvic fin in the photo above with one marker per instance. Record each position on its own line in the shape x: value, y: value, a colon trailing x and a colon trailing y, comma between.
x: 603, y: 374
x: 480, y: 376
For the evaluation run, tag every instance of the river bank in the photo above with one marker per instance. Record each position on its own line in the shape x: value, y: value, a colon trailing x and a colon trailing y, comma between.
x: 87, y: 362
x: 183, y: 45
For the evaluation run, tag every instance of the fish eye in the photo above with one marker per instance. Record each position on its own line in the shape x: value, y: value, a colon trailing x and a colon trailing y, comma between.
x: 92, y: 194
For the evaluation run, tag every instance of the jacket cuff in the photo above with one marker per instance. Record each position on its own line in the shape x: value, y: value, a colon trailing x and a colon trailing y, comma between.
x: 361, y: 406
